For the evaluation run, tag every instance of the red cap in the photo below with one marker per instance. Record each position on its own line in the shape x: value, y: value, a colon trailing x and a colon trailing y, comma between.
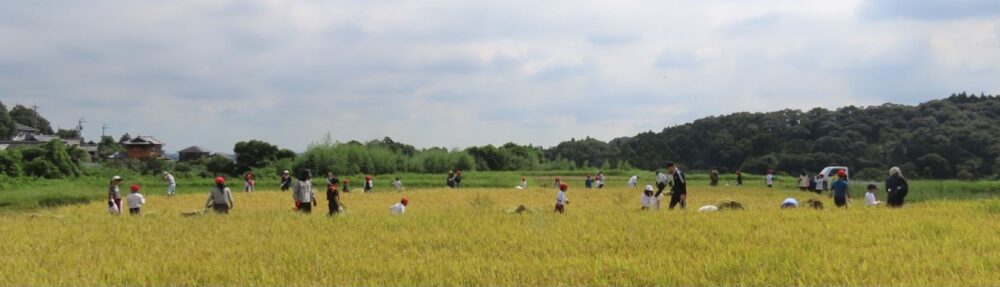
x: 405, y: 201
x: 346, y: 181
x: 842, y: 173
x: 220, y: 180
x: 563, y: 186
x: 134, y: 187
x: 368, y: 177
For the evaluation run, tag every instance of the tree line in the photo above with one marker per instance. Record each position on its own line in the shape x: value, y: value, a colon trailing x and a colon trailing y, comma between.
x: 955, y: 137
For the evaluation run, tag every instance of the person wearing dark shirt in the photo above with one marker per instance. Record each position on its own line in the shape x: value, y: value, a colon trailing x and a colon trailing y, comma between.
x: 739, y: 178
x: 589, y: 183
x: 678, y: 192
x: 840, y: 192
x: 286, y: 180
x: 896, y: 188
x: 458, y: 179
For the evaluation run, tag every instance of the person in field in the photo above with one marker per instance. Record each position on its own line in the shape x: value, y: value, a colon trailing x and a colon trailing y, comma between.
x: 303, y: 192
x: 458, y: 179
x: 633, y: 181
x: 661, y: 181
x: 171, y: 183
x: 400, y: 207
x: 739, y: 178
x: 839, y: 190
x: 769, y: 179
x: 790, y: 202
x: 220, y: 198
x: 804, y: 181
x: 369, y: 184
x: 524, y: 183
x: 678, y: 191
x: 557, y: 183
x: 600, y: 180
x: 333, y: 199
x: 896, y: 188
x: 135, y: 200
x: 561, y: 200
x: 870, y: 199
x: 249, y: 185
x: 714, y: 177
x: 588, y: 182
x: 346, y: 187
x: 397, y: 184
x: 286, y: 181
x: 648, y: 198
x: 115, y: 194
x: 451, y: 179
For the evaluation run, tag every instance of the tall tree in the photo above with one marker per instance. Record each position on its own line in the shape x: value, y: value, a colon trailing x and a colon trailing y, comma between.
x: 29, y: 117
x: 7, y: 129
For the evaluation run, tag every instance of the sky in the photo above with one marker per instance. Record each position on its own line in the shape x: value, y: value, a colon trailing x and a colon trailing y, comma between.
x: 459, y: 73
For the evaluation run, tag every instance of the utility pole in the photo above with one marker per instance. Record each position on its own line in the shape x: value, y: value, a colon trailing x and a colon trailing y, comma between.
x: 79, y: 125
x: 104, y: 128
x: 34, y: 123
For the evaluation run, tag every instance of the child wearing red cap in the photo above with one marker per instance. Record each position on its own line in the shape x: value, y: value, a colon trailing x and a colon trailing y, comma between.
x: 399, y: 208
x: 369, y: 184
x: 220, y: 198
x: 561, y: 200
x: 135, y: 200
x: 839, y: 190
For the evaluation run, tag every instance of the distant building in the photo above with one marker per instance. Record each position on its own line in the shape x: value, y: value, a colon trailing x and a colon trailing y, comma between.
x: 143, y: 147
x: 193, y: 153
x: 23, y: 132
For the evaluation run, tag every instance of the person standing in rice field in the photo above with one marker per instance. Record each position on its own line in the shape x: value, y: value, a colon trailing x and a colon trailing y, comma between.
x: 286, y: 180
x: 561, y: 200
x: 713, y: 177
x: 397, y: 184
x: 369, y: 184
x: 739, y: 178
x: 333, y: 199
x: 115, y: 194
x: 557, y: 183
x: 303, y: 192
x: 896, y: 188
x: 661, y: 181
x: 135, y: 200
x: 804, y: 181
x: 451, y: 179
x: 588, y: 182
x: 171, y: 183
x: 678, y: 193
x: 769, y: 178
x: 524, y: 183
x: 220, y: 198
x: 346, y: 188
x: 249, y: 185
x: 458, y: 179
x: 839, y: 190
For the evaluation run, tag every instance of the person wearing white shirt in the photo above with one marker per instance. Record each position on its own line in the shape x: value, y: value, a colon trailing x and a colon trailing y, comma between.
x: 398, y: 185
x: 633, y: 181
x: 524, y: 183
x: 135, y: 200
x: 303, y: 192
x: 769, y: 179
x: 870, y: 199
x: 661, y: 181
x: 171, y: 183
x: 399, y: 207
x: 648, y: 200
x: 561, y: 200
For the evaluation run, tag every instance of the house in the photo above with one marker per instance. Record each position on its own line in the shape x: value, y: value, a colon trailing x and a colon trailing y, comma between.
x: 23, y: 132
x: 143, y: 147
x: 193, y: 153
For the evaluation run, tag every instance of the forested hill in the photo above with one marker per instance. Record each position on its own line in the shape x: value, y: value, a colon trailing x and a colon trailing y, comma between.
x: 954, y: 137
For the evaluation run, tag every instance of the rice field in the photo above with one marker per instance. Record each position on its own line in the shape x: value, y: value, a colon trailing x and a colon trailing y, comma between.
x: 472, y: 237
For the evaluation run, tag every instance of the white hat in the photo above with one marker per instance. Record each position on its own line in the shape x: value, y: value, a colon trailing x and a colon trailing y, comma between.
x: 649, y: 187
x: 116, y: 178
x: 286, y: 171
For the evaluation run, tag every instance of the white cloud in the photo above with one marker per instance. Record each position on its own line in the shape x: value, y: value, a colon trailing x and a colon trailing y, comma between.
x: 460, y: 73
